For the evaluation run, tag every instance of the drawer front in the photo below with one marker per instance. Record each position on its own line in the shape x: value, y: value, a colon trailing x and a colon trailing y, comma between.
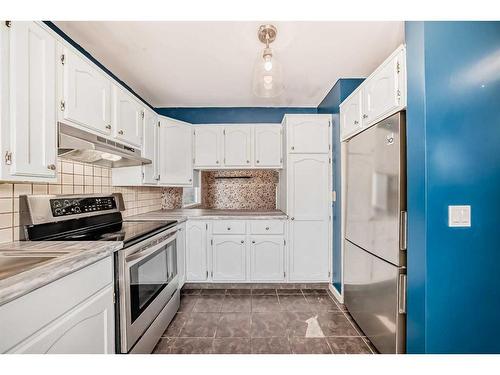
x: 229, y: 227
x: 267, y: 226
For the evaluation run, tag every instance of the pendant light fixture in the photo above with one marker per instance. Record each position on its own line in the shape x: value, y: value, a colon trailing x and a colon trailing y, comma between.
x: 267, y: 74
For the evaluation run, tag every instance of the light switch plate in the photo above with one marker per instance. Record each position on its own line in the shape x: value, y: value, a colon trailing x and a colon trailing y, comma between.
x: 459, y: 216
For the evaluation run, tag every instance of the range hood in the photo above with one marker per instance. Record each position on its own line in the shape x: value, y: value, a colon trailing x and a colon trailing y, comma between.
x: 85, y: 147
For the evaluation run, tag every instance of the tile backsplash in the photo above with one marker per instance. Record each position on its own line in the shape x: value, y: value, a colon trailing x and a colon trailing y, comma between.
x: 79, y: 178
x: 240, y: 189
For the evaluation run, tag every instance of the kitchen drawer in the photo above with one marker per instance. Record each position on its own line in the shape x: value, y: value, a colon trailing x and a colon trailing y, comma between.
x: 267, y: 226
x: 229, y: 227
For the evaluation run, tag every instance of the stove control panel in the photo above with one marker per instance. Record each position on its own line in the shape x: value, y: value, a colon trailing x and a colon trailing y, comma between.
x: 75, y: 206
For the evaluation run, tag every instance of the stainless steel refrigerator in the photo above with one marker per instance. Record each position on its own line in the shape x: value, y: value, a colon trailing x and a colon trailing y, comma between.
x: 375, y: 241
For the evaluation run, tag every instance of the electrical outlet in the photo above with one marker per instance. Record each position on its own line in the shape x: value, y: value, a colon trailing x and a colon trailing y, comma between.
x: 459, y: 216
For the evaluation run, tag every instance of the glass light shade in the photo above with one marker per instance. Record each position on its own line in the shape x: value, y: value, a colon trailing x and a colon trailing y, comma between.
x: 267, y: 76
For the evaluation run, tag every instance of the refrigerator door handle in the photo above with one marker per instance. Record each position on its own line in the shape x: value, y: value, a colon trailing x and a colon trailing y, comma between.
x: 403, y: 229
x: 402, y: 294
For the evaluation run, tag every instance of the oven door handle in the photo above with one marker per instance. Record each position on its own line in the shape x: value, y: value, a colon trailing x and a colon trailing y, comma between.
x: 135, y: 257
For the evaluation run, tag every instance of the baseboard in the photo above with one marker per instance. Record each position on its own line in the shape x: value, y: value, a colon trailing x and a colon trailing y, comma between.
x: 339, y: 297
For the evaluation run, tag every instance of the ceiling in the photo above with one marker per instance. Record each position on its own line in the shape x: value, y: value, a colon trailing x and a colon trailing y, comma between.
x: 210, y: 64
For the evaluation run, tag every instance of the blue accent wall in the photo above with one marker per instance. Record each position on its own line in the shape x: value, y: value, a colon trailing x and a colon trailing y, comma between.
x: 453, y: 122
x: 232, y: 115
x: 330, y: 104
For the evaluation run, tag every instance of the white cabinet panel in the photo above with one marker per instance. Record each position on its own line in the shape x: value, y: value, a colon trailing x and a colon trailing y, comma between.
x: 381, y: 92
x: 176, y: 164
x: 31, y: 129
x: 267, y: 146
x: 267, y: 226
x: 308, y: 134
x: 228, y: 258
x: 228, y: 227
x: 181, y: 253
x: 86, y: 329
x: 308, y: 194
x: 196, y: 251
x: 351, y: 115
x: 309, y: 250
x: 208, y: 146
x: 150, y: 148
x: 267, y: 258
x: 86, y: 93
x: 237, y: 146
x: 128, y: 116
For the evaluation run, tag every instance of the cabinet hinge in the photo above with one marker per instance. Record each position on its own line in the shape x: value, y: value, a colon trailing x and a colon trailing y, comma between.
x: 224, y: 131
x: 114, y: 298
x: 398, y: 68
x: 212, y: 274
x: 206, y: 275
x: 284, y: 274
x: 281, y: 160
x: 206, y: 226
x: 329, y: 147
x: 212, y: 242
x: 284, y: 242
x: 329, y: 123
x: 63, y: 59
x: 142, y: 115
x: 330, y: 160
x: 63, y: 105
x: 158, y: 123
x: 8, y: 157
x: 194, y: 132
x: 8, y: 23
x: 143, y: 175
x: 329, y: 273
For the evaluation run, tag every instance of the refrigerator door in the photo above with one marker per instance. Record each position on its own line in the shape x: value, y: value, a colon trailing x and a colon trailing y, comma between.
x: 376, y: 186
x: 374, y: 293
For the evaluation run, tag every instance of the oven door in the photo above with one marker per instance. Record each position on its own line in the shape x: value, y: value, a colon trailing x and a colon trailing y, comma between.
x: 148, y: 279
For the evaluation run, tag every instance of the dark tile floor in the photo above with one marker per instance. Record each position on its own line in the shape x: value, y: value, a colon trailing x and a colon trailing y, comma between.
x: 261, y: 321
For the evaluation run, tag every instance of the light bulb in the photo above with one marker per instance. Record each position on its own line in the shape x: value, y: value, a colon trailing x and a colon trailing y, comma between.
x: 110, y: 157
x: 268, y: 63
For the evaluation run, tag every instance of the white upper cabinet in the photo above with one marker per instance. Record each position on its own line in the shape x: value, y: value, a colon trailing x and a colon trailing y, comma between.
x: 238, y: 146
x: 128, y: 116
x: 86, y: 93
x: 382, y: 94
x: 28, y: 59
x: 175, y: 153
x: 308, y: 134
x: 351, y: 115
x: 267, y: 146
x: 150, y: 147
x: 208, y: 146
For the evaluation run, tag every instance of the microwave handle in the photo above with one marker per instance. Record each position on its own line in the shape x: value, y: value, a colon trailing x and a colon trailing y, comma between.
x: 135, y: 257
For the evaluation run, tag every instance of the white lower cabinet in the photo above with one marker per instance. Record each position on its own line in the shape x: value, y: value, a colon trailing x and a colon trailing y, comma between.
x: 181, y: 254
x: 267, y: 258
x: 196, y: 251
x: 72, y: 315
x: 228, y: 258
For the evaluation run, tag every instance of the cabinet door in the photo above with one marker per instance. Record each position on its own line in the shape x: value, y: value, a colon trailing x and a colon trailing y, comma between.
x: 128, y: 116
x: 87, y: 94
x: 308, y: 134
x: 196, y: 251
x: 181, y: 254
x: 381, y: 93
x: 32, y: 125
x: 228, y: 258
x: 267, y: 258
x: 238, y: 146
x: 350, y: 115
x: 88, y: 328
x: 208, y: 146
x: 309, y: 250
x: 150, y: 147
x: 176, y: 153
x: 267, y: 146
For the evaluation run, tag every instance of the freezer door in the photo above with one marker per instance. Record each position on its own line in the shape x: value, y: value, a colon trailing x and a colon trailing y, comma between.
x: 376, y: 190
x: 375, y: 295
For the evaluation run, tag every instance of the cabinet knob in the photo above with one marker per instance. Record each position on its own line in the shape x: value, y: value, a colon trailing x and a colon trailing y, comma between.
x: 267, y: 228
x: 293, y: 148
x: 108, y: 127
x: 190, y: 180
x: 257, y: 161
x: 228, y: 228
x: 292, y: 218
x: 242, y: 241
x: 248, y: 161
x: 52, y: 167
x: 356, y: 122
x: 253, y: 241
x: 120, y: 132
x: 217, y: 162
x: 365, y: 116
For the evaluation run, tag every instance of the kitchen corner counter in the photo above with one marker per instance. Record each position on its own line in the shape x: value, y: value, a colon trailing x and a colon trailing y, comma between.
x: 209, y: 214
x: 71, y: 256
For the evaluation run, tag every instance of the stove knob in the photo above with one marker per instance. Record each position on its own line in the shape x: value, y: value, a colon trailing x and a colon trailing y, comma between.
x: 58, y: 211
x: 66, y: 203
x: 77, y: 210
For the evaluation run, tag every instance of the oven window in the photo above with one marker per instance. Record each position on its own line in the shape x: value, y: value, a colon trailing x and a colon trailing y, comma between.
x: 149, y: 276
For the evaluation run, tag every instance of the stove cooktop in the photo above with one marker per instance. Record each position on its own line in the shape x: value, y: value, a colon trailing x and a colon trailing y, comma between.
x: 126, y: 231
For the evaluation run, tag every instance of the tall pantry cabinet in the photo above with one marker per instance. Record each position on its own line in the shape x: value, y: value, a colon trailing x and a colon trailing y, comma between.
x: 305, y: 196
